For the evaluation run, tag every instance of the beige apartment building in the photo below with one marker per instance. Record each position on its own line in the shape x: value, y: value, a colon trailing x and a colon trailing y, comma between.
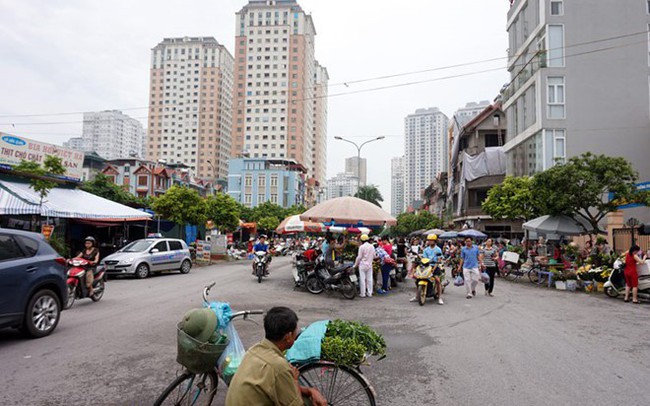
x: 190, y: 113
x: 280, y: 104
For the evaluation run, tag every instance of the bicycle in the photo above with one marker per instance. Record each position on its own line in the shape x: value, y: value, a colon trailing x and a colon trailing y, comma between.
x: 339, y: 384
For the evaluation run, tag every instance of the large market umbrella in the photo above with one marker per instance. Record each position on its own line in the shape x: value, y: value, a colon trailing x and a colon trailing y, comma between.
x: 435, y: 231
x: 417, y: 232
x: 448, y: 235
x: 350, y: 230
x: 293, y: 224
x: 471, y: 233
x: 559, y: 225
x: 349, y: 210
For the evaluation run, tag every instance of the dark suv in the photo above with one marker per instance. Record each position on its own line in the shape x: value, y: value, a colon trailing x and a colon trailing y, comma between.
x: 32, y: 283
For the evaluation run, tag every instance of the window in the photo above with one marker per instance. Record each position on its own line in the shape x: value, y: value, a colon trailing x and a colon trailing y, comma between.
x: 555, y: 97
x: 648, y: 7
x: 274, y: 178
x: 175, y: 245
x: 142, y: 181
x: 248, y: 181
x: 559, y: 146
x: 248, y: 199
x: 557, y: 7
x: 9, y: 249
x: 30, y: 246
x: 161, y: 246
x: 261, y: 181
x: 555, y: 46
x: 274, y: 198
x: 261, y: 198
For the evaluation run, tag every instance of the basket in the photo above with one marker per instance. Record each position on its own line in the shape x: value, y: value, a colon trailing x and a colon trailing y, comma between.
x: 196, y: 356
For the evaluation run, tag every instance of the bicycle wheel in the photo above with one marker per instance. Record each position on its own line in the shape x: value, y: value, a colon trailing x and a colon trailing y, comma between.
x: 340, y: 385
x: 533, y: 275
x: 190, y: 389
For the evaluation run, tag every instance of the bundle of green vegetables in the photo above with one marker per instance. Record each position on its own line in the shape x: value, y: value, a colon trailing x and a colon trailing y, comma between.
x: 349, y: 342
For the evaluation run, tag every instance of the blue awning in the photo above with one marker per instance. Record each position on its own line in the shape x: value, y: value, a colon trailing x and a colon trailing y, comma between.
x: 18, y: 198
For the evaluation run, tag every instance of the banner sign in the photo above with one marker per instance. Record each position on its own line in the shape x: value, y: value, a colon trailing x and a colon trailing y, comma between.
x: 203, y: 249
x: 641, y: 187
x: 13, y: 149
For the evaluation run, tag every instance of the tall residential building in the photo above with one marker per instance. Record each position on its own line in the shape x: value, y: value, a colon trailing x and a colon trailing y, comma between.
x: 76, y: 143
x: 343, y: 184
x: 319, y: 152
x: 425, y: 146
x: 579, y: 83
x: 190, y: 114
x: 279, y: 87
x: 112, y: 134
x: 357, y: 167
x: 253, y: 181
x: 396, y: 186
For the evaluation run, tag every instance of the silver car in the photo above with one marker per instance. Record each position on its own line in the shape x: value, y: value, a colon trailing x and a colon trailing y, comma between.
x: 144, y: 257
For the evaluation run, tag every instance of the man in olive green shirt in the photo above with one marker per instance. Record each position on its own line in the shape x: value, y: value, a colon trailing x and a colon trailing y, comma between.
x: 265, y: 377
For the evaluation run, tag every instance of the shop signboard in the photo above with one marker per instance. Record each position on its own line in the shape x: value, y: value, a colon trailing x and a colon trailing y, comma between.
x: 219, y: 244
x: 641, y: 187
x: 203, y: 252
x: 14, y: 149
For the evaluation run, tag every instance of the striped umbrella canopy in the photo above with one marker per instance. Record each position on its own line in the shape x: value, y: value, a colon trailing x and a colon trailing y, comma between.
x: 293, y: 224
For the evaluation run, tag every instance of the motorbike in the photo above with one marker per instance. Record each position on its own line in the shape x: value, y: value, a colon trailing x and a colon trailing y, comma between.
x: 400, y: 269
x: 260, y: 265
x: 342, y: 278
x: 76, y: 273
x: 303, y: 267
x: 615, y: 285
x: 425, y: 281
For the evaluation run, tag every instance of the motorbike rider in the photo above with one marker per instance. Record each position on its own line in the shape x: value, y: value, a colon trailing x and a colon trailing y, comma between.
x: 90, y: 254
x: 262, y: 246
x: 434, y: 253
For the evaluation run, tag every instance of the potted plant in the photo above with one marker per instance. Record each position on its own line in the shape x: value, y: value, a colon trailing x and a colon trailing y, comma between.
x: 571, y: 281
x: 587, y: 278
x: 560, y: 280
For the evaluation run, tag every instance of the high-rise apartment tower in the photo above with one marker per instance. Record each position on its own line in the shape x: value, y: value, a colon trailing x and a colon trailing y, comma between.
x: 280, y: 104
x: 111, y: 134
x: 424, y: 151
x: 397, y: 186
x: 190, y: 112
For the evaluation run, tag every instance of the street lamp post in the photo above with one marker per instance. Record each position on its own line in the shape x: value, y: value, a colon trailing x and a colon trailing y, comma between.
x: 358, y: 147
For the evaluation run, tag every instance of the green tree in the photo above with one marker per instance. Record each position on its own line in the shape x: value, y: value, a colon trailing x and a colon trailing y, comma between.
x: 245, y: 213
x: 223, y: 210
x: 587, y: 187
x: 39, y: 182
x: 410, y: 222
x: 103, y: 187
x: 295, y: 210
x: 268, y: 209
x: 515, y: 198
x: 370, y: 193
x: 269, y: 224
x: 181, y: 205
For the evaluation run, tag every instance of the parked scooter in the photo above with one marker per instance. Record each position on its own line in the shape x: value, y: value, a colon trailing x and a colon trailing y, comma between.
x: 615, y: 285
x: 260, y: 265
x: 304, y: 265
x: 342, y: 278
x: 77, y: 269
x: 400, y: 269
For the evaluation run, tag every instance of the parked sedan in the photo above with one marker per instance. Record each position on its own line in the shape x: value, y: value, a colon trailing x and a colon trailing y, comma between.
x: 144, y: 257
x: 32, y: 283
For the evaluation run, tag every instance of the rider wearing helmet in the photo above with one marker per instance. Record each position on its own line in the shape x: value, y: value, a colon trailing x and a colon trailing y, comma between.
x: 434, y: 253
x: 90, y: 254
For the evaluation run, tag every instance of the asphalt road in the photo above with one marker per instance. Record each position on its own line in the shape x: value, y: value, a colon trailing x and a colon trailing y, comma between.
x: 525, y: 346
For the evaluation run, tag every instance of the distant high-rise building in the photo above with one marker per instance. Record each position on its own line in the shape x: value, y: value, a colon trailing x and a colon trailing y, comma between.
x: 190, y: 113
x: 343, y: 184
x: 280, y: 108
x: 112, y: 134
x: 397, y: 185
x: 357, y: 167
x: 76, y: 143
x: 461, y: 117
x: 319, y: 152
x: 425, y: 146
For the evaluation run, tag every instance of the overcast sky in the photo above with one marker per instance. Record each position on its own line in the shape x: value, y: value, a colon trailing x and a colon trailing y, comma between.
x: 66, y: 56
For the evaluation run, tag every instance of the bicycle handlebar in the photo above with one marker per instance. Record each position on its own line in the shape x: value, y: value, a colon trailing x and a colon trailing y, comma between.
x: 244, y: 314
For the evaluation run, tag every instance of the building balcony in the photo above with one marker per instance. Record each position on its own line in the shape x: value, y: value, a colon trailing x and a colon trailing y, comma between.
x: 537, y: 62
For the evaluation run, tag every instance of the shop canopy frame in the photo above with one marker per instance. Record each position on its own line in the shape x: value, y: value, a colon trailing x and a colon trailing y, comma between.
x: 18, y: 198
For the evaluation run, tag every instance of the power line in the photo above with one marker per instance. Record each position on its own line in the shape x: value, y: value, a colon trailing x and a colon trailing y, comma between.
x: 370, y: 79
x: 361, y: 90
